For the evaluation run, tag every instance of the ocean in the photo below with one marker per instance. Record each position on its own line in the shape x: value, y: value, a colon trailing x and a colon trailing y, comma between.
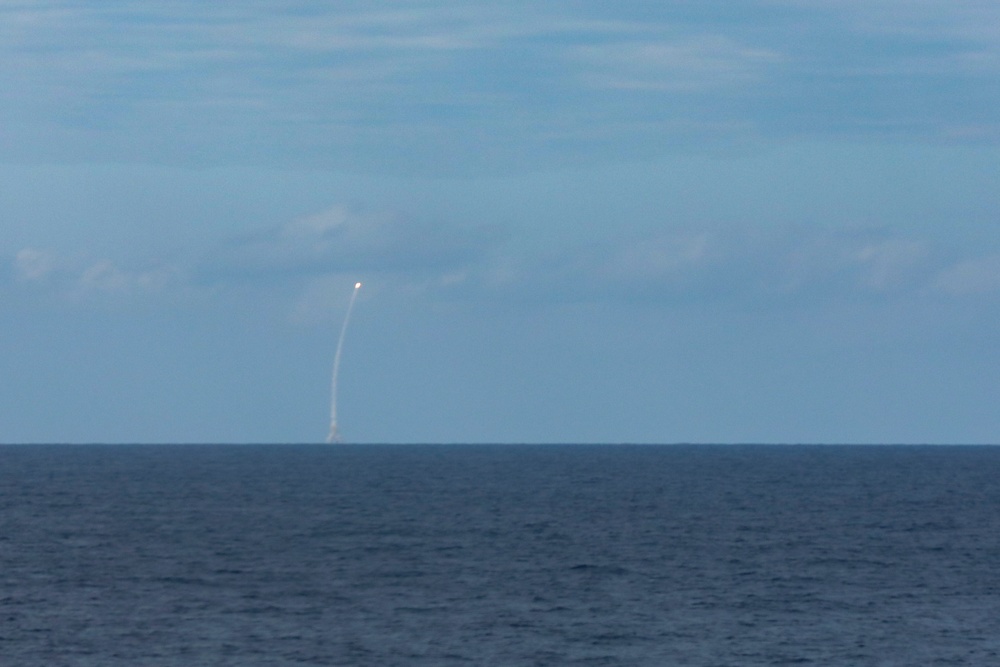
x: 280, y: 555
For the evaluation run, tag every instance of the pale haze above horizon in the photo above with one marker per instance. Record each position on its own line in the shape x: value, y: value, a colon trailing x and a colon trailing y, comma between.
x: 772, y: 221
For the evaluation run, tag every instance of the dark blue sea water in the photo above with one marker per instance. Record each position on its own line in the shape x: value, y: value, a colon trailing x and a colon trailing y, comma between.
x: 716, y: 556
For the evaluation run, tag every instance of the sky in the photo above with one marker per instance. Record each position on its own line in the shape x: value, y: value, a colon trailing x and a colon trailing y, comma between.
x: 576, y: 221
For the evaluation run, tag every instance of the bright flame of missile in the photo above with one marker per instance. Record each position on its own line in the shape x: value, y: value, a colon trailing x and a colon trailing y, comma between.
x: 334, y: 435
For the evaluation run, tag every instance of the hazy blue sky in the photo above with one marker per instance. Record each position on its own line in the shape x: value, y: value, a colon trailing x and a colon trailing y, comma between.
x: 576, y: 221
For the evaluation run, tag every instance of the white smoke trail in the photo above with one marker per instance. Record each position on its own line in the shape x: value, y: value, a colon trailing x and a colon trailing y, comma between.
x: 334, y: 435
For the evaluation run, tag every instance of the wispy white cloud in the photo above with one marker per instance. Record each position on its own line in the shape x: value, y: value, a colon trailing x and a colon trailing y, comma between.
x: 81, y: 277
x: 717, y: 264
x: 104, y: 276
x: 976, y: 276
x: 435, y: 83
x: 888, y: 264
x: 964, y: 19
x: 658, y: 257
x: 31, y: 264
x: 686, y: 64
x: 341, y: 240
x: 913, y: 37
x: 304, y: 262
